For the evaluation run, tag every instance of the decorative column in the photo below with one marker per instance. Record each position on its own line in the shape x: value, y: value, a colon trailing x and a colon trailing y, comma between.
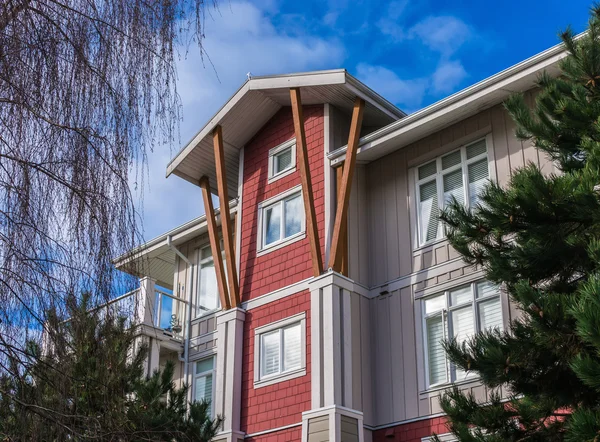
x: 335, y: 350
x: 145, y: 316
x: 228, y: 394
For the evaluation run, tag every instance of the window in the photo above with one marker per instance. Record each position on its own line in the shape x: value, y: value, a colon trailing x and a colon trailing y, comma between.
x: 282, y: 160
x: 204, y: 382
x: 281, y: 219
x: 208, y: 291
x: 458, y: 313
x: 280, y: 350
x: 460, y: 174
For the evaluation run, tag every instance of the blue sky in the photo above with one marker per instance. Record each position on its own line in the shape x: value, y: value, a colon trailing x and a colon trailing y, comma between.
x: 412, y: 53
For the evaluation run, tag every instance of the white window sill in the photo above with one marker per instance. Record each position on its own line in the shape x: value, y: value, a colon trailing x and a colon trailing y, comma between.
x: 446, y: 385
x: 274, y: 379
x: 280, y: 175
x: 276, y: 246
x: 430, y: 244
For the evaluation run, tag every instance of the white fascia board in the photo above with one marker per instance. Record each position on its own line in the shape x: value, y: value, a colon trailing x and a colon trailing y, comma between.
x: 208, y: 128
x: 298, y: 80
x: 183, y: 232
x: 450, y: 107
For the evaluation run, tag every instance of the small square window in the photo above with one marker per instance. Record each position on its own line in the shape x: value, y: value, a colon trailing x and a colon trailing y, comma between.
x: 282, y: 160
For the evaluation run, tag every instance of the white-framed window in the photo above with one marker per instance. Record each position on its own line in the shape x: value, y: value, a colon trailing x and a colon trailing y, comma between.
x: 281, y: 219
x: 458, y: 313
x: 204, y: 382
x: 280, y: 350
x: 208, y: 291
x: 282, y: 160
x: 461, y: 173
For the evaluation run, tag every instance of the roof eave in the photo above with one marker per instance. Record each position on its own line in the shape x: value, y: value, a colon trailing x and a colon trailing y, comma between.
x: 479, y: 91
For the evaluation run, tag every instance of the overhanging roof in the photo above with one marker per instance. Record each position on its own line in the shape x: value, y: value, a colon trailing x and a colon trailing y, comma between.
x: 156, y: 258
x: 255, y: 103
x: 463, y: 104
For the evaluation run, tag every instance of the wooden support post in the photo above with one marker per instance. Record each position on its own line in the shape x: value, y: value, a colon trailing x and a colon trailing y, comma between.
x: 234, y: 289
x: 343, y: 194
x: 307, y: 191
x: 344, y: 232
x: 215, y: 246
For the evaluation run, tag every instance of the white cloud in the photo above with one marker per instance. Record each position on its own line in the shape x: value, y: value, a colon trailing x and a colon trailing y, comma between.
x: 390, y: 25
x: 240, y: 38
x: 443, y: 34
x: 407, y: 93
x: 447, y: 76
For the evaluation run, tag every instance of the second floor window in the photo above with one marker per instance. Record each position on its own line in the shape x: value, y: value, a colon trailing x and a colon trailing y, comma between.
x: 457, y: 313
x: 208, y: 291
x: 281, y: 219
x: 461, y: 174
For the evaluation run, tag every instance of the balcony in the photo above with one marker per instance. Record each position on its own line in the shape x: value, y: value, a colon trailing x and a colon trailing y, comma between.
x: 154, y: 309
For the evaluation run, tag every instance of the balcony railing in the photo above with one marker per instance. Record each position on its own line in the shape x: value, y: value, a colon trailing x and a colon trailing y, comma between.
x: 161, y: 309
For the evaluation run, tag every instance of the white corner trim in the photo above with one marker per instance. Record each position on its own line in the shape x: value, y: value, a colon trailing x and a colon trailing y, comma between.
x: 287, y: 375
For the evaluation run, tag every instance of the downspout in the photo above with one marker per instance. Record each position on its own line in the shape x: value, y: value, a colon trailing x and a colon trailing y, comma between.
x: 186, y: 345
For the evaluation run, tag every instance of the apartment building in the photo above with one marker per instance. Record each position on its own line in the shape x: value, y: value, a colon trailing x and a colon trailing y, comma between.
x: 311, y: 305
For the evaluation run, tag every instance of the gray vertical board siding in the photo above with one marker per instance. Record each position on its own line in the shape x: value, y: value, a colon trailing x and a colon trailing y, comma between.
x: 382, y: 368
x: 389, y: 242
x: 409, y: 353
x: 397, y: 350
x: 367, y: 359
x: 355, y: 300
x: 358, y: 229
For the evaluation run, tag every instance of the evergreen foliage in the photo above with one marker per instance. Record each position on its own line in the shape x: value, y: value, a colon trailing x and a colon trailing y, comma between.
x: 88, y: 383
x: 539, y: 237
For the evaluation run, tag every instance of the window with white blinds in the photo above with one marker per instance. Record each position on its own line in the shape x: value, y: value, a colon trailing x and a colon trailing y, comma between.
x: 282, y: 160
x: 458, y: 313
x: 280, y: 348
x: 204, y: 377
x: 460, y: 174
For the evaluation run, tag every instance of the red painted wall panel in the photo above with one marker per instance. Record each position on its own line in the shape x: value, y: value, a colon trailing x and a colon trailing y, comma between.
x: 279, y: 404
x: 279, y: 268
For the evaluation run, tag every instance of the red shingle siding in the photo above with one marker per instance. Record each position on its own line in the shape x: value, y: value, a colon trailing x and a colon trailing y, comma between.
x: 412, y: 432
x: 279, y: 436
x: 282, y: 403
x: 290, y: 264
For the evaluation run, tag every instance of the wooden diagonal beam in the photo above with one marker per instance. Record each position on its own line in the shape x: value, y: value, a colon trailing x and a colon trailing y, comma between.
x: 339, y: 173
x: 341, y: 213
x: 307, y: 191
x: 215, y: 246
x: 234, y: 289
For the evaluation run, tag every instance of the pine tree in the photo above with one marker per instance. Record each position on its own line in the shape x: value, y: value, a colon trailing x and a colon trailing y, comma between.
x: 88, y: 383
x: 539, y: 237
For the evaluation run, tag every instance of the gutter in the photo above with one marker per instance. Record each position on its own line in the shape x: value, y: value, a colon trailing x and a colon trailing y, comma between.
x: 415, y: 118
x: 186, y: 341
